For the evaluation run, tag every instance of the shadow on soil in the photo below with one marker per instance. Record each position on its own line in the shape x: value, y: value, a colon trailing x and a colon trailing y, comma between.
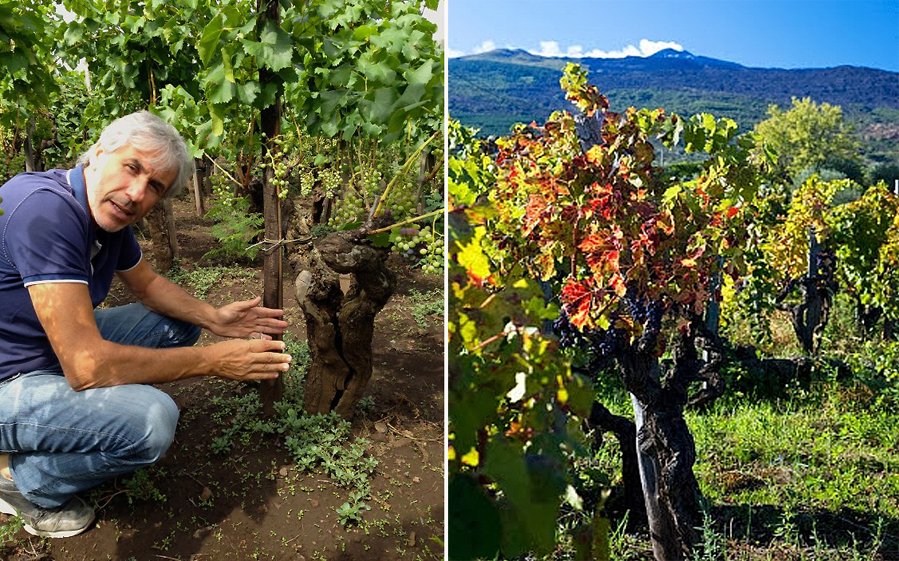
x: 763, y: 524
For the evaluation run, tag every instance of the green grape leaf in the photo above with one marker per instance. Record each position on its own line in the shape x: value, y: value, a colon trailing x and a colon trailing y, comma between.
x: 422, y: 74
x: 209, y: 40
x: 349, y: 226
x: 382, y: 108
x: 506, y: 466
x: 277, y: 47
x: 377, y: 71
x: 218, y: 89
x: 471, y: 256
x: 247, y: 93
x: 473, y: 412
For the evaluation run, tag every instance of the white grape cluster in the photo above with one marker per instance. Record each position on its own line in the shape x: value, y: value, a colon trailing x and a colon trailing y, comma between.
x: 349, y: 208
x: 307, y: 181
x: 280, y: 178
x: 330, y: 181
x: 222, y: 190
x: 402, y: 201
x: 369, y: 178
x: 424, y: 246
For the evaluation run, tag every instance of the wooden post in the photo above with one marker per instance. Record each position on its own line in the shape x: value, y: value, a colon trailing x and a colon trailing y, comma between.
x: 198, y: 194
x: 270, y: 117
x: 161, y: 225
x: 171, y: 232
x: 29, y: 146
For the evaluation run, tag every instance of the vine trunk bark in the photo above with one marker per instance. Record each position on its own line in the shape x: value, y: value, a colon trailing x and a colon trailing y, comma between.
x: 340, y: 318
x: 32, y: 159
x: 626, y: 433
x: 666, y: 454
x: 809, y: 317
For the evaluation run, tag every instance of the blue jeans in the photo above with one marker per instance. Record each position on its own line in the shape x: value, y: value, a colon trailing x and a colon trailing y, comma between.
x: 62, y: 442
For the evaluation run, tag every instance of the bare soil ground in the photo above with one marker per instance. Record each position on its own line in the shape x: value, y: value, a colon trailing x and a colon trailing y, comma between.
x: 253, y: 503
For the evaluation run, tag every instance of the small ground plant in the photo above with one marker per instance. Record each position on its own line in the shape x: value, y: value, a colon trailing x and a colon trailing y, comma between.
x: 203, y: 279
x: 315, y: 442
x: 426, y: 305
x: 9, y: 530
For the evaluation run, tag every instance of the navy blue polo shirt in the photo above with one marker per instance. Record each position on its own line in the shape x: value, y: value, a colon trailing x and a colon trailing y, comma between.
x: 47, y: 235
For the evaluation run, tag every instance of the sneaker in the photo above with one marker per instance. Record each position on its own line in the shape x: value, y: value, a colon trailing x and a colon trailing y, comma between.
x: 69, y: 520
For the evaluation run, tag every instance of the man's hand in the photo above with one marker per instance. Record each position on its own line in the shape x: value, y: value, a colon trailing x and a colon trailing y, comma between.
x: 89, y: 361
x: 239, y: 359
x: 248, y: 319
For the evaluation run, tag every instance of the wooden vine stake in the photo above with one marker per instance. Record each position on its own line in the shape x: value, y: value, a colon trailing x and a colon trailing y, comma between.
x: 270, y: 390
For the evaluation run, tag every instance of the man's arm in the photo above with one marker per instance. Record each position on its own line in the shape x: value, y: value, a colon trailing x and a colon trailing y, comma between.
x: 240, y: 319
x: 89, y: 361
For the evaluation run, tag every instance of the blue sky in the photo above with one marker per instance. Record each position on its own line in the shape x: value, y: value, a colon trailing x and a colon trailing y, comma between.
x: 758, y: 33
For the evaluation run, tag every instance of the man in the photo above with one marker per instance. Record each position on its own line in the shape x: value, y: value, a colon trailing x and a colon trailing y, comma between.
x: 75, y: 404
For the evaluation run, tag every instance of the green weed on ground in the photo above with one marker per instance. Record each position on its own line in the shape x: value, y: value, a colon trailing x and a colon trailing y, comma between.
x: 316, y: 442
x: 9, y: 530
x: 426, y: 305
x: 826, y: 453
x: 789, y: 542
x: 201, y: 280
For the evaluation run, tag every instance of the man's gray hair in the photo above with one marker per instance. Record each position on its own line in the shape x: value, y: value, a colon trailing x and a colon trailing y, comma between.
x: 147, y: 132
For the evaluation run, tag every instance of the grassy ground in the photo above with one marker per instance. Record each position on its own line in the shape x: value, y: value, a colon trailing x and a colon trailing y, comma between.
x: 805, y: 471
x: 815, y: 478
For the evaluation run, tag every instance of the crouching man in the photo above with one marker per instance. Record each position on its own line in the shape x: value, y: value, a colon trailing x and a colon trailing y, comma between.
x: 76, y: 407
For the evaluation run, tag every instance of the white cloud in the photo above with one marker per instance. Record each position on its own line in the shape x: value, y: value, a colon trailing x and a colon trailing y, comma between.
x: 649, y: 48
x: 484, y: 47
x: 548, y: 48
x: 646, y: 48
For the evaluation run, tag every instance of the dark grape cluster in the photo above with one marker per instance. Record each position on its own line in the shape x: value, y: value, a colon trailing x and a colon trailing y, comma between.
x: 636, y: 307
x: 609, y: 342
x: 599, y: 342
x: 569, y: 336
x: 603, y: 344
x: 644, y: 311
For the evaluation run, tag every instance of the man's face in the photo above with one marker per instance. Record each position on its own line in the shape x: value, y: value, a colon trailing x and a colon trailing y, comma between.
x: 122, y: 186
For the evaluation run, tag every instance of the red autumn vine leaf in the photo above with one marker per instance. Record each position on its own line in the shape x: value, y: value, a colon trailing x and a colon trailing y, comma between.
x: 578, y: 297
x: 610, y: 221
x: 593, y: 243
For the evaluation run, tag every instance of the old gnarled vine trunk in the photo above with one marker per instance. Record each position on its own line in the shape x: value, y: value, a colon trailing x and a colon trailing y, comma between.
x: 340, y: 320
x: 665, y: 448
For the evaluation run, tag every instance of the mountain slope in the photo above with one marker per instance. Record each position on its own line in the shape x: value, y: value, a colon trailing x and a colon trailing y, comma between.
x: 493, y: 90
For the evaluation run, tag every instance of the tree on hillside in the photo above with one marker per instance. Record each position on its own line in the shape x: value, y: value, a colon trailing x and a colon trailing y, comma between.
x: 810, y: 136
x: 888, y: 173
